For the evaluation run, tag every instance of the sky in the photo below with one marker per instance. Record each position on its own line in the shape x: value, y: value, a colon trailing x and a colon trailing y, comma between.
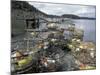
x: 60, y: 9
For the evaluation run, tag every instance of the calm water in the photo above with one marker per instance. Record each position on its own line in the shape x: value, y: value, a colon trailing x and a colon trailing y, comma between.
x: 89, y: 27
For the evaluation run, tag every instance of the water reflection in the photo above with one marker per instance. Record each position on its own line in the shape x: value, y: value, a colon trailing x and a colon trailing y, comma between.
x: 89, y: 27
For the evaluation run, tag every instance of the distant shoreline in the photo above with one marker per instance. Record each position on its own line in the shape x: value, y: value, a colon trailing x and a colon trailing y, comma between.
x: 85, y: 18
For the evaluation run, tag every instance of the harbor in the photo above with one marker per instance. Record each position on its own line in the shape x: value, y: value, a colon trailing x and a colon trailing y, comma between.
x: 49, y: 43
